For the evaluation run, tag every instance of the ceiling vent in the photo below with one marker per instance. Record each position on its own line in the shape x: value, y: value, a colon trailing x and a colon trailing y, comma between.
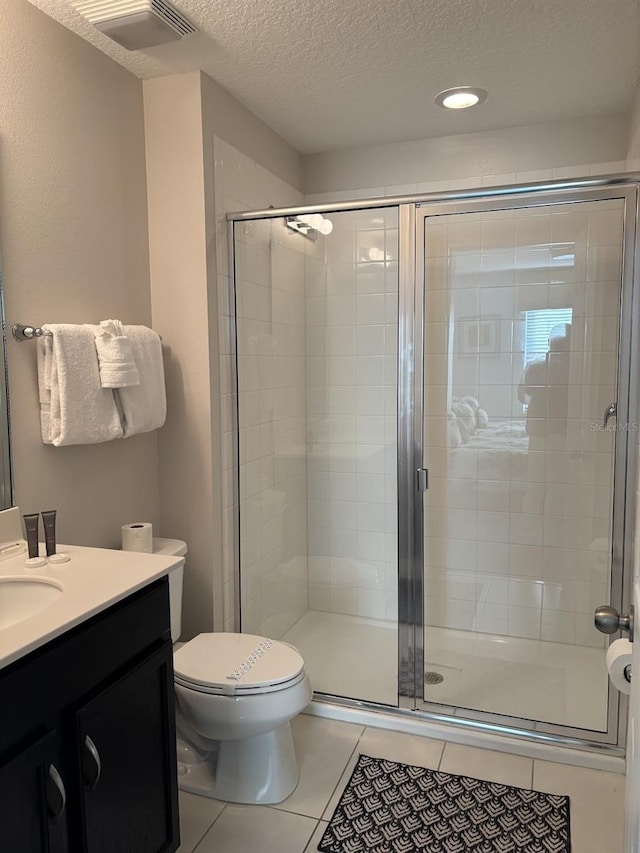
x: 136, y: 24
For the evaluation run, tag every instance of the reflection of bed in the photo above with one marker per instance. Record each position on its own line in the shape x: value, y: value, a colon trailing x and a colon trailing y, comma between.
x: 498, y: 451
x: 506, y: 434
x: 482, y: 445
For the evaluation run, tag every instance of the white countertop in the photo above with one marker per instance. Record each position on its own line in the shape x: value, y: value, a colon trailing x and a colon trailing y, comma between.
x: 92, y: 580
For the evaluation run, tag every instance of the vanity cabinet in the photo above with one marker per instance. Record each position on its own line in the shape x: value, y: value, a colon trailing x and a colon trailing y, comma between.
x: 87, y: 737
x: 33, y: 801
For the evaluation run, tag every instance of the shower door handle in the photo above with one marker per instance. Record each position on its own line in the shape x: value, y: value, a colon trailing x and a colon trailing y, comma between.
x: 610, y: 412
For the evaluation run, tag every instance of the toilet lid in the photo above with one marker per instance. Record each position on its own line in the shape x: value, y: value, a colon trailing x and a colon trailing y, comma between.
x: 236, y: 662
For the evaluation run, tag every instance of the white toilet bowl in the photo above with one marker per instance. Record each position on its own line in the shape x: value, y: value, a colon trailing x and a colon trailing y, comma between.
x: 236, y: 694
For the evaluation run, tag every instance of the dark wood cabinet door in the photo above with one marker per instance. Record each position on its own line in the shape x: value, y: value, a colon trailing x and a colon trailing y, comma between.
x: 125, y: 738
x: 33, y: 800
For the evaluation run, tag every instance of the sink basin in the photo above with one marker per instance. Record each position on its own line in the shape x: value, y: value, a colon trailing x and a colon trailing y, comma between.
x: 22, y: 597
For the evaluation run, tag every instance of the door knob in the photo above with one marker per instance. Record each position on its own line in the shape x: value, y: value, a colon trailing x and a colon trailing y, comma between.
x: 609, y: 621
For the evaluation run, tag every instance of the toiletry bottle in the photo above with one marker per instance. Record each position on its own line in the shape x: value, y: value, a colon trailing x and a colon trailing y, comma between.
x: 31, y: 526
x: 49, y: 520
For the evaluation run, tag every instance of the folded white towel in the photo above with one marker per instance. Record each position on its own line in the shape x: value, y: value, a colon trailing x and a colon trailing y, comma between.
x: 115, y: 356
x: 74, y: 408
x: 144, y: 407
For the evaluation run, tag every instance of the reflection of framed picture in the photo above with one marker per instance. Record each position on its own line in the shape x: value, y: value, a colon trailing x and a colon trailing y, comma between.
x: 479, y: 335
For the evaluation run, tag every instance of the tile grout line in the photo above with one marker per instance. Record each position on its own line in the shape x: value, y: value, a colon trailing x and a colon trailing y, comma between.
x: 335, y: 787
x: 313, y: 832
x: 276, y: 807
x: 195, y: 849
x: 333, y: 790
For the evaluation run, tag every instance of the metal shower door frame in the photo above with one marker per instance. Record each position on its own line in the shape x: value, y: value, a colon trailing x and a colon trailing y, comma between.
x: 411, y: 571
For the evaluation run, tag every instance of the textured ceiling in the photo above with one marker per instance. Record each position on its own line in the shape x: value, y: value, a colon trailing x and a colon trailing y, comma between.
x: 337, y: 73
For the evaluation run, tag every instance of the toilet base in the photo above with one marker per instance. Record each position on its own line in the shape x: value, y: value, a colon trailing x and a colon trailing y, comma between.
x: 258, y: 770
x: 197, y: 778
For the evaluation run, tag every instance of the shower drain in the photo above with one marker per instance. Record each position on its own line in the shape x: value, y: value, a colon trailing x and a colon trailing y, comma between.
x: 431, y: 677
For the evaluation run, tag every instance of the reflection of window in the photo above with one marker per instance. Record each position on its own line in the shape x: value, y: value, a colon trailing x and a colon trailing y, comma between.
x: 538, y: 325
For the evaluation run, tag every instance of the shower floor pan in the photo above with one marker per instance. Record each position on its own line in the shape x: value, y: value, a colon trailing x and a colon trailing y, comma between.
x: 356, y: 658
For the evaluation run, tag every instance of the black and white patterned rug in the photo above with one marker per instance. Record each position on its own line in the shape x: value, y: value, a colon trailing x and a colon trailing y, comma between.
x: 389, y: 807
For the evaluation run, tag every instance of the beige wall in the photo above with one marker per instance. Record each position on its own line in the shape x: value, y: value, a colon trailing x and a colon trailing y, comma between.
x: 73, y: 236
x: 182, y: 115
x: 633, y: 153
x: 231, y: 121
x: 471, y: 155
x: 179, y: 294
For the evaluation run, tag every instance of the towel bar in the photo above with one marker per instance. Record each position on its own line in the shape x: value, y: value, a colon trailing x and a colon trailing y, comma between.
x: 27, y: 333
x: 31, y: 333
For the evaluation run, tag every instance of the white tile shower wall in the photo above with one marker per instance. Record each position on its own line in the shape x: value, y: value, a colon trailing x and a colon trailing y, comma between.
x: 271, y: 353
x: 351, y: 335
x: 517, y: 518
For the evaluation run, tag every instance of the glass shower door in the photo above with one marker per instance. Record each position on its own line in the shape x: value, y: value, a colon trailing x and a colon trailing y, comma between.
x: 317, y: 316
x: 521, y: 343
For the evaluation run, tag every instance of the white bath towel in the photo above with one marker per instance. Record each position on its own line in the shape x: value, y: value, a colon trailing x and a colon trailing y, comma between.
x: 144, y: 407
x: 115, y: 356
x: 45, y: 354
x: 74, y: 408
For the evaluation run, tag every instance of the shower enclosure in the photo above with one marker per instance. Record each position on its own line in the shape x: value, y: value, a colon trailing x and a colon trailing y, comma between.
x: 437, y: 430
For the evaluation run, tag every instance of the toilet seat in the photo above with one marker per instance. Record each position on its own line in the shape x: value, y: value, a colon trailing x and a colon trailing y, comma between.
x: 239, y: 691
x: 237, y: 665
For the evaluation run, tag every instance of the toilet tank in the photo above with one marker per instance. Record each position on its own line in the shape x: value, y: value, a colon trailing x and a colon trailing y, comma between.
x: 173, y: 548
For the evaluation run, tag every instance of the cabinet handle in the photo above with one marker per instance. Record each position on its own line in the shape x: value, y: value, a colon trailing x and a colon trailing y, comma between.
x: 93, y: 752
x: 56, y: 778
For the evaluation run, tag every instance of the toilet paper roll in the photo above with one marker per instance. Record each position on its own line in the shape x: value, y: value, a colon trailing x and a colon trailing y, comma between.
x: 137, y: 536
x: 619, y: 656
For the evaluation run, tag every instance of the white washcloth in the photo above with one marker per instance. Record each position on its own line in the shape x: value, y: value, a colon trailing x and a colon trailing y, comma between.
x: 74, y: 409
x: 115, y: 356
x: 144, y: 407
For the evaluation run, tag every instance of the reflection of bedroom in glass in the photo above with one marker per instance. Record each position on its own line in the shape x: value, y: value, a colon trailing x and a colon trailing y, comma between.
x: 547, y: 343
x: 479, y: 335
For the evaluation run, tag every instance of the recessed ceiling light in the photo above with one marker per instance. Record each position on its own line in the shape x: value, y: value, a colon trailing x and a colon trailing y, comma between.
x: 460, y: 98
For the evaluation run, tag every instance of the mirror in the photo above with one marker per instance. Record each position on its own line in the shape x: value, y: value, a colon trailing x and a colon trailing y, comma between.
x: 6, y: 492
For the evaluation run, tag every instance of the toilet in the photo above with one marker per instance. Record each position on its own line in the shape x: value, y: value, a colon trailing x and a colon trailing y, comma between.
x: 235, y: 697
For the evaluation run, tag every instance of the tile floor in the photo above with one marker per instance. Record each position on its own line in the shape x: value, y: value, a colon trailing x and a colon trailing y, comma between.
x: 327, y: 751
